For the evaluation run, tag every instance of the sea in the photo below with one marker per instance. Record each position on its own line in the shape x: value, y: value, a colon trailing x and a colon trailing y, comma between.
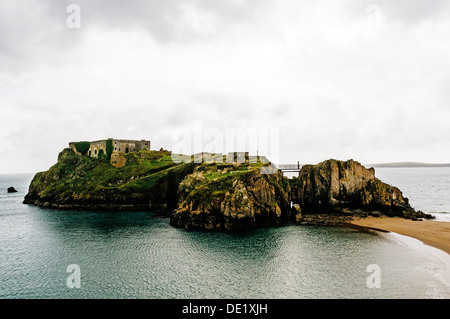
x: 52, y: 254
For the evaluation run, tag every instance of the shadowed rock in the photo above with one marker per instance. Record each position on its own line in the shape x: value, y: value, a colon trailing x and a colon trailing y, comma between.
x: 218, y: 196
x: 11, y: 190
x: 231, y: 197
x: 348, y: 188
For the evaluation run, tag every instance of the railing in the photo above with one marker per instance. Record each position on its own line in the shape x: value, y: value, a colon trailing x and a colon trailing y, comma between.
x: 290, y: 167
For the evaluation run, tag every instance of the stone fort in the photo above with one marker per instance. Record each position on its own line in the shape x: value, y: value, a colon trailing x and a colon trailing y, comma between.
x: 120, y: 147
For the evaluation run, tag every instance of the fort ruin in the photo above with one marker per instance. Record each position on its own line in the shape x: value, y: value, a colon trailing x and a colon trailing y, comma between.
x: 119, y: 149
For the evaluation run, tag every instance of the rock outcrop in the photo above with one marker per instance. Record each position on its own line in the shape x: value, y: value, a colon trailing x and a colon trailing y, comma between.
x: 347, y: 189
x: 148, y: 181
x: 218, y: 196
x: 230, y: 197
x: 11, y: 190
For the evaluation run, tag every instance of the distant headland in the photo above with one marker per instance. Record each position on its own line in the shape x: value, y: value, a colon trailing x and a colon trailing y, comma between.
x: 212, y: 191
x: 408, y: 164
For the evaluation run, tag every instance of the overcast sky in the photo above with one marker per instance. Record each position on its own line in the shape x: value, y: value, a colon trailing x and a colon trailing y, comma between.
x: 338, y: 79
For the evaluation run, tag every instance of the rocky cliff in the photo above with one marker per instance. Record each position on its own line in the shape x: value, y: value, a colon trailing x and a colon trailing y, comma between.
x: 348, y: 188
x: 218, y: 196
x: 148, y: 181
x: 236, y: 196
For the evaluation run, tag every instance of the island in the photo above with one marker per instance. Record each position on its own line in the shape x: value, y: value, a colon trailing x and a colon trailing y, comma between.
x: 213, y: 191
x: 11, y: 190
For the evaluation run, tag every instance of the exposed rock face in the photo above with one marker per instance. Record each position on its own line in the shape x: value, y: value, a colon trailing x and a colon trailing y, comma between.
x: 347, y: 188
x: 238, y: 197
x: 324, y: 219
x: 148, y: 181
x: 224, y: 196
x: 12, y: 190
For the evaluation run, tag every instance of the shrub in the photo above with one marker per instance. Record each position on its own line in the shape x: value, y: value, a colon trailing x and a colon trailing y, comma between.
x: 102, y: 156
x: 82, y: 147
x: 109, y: 149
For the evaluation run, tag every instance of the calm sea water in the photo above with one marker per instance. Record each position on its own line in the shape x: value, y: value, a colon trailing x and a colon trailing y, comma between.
x: 428, y: 189
x: 138, y: 255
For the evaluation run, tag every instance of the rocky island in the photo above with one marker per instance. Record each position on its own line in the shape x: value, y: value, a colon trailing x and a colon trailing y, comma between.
x: 217, y: 195
x: 11, y: 190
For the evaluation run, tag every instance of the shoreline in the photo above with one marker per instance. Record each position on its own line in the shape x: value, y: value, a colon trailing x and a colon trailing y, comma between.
x: 430, y: 232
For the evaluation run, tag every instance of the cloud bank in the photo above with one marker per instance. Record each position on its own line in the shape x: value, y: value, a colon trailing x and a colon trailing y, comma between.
x: 343, y: 79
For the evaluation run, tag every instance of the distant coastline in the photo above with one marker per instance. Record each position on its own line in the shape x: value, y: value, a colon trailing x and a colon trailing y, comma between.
x: 406, y: 164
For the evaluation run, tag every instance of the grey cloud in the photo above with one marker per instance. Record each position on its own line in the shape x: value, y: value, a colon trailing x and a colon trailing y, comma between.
x: 414, y: 11
x: 405, y: 11
x: 35, y: 33
x: 158, y: 17
x: 328, y: 99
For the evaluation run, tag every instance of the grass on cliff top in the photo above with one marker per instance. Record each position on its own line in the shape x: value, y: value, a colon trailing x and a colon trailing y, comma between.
x: 82, y: 174
x: 142, y: 169
x: 137, y: 165
x: 219, y: 179
x: 224, y: 170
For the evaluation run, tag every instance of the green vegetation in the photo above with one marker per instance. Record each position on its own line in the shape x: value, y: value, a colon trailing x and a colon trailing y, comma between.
x: 212, y: 181
x: 148, y: 180
x: 109, y: 149
x: 102, y: 156
x: 82, y: 175
x: 82, y: 147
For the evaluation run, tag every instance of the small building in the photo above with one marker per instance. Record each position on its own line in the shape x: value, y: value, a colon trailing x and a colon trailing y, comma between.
x: 120, y: 147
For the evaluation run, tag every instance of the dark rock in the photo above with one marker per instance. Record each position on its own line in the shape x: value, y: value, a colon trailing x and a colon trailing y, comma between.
x: 239, y: 197
x: 375, y: 214
x: 359, y: 212
x: 347, y: 188
x: 218, y: 196
x: 67, y: 184
x: 324, y: 219
x: 297, y: 213
x: 12, y: 190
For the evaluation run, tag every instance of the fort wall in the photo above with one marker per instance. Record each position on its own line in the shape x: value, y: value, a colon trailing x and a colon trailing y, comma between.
x: 120, y: 147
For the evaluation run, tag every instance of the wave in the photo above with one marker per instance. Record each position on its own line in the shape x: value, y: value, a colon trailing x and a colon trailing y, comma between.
x: 441, y: 216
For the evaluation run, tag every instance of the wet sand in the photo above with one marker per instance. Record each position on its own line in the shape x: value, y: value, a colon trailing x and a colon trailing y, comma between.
x: 432, y: 233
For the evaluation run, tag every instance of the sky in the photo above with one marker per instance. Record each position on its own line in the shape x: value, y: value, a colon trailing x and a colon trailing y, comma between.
x: 346, y: 79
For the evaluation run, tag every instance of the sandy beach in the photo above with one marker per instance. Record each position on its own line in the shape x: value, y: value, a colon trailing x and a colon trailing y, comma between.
x: 433, y: 233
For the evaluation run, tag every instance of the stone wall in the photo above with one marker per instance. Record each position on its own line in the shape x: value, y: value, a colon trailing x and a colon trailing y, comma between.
x: 95, y: 148
x: 128, y: 146
x: 120, y: 148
